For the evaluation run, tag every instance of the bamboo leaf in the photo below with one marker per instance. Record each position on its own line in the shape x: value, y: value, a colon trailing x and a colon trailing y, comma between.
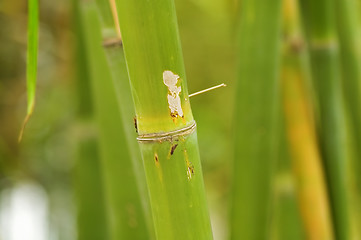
x: 32, y: 58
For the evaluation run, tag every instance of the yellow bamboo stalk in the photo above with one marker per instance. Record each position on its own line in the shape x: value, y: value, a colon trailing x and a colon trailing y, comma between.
x: 306, y: 160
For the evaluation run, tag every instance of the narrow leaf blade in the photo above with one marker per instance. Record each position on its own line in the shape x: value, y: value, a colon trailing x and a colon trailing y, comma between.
x: 32, y: 58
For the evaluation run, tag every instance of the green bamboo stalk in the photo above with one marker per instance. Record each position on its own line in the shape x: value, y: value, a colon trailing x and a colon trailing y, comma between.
x: 90, y: 202
x: 114, y: 53
x: 124, y: 207
x: 167, y: 135
x: 319, y: 23
x: 287, y: 220
x: 256, y: 118
x: 285, y: 209
x: 307, y: 162
x: 349, y: 35
x: 89, y: 187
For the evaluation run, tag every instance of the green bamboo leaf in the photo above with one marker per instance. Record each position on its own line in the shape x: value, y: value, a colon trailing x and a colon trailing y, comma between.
x: 32, y: 58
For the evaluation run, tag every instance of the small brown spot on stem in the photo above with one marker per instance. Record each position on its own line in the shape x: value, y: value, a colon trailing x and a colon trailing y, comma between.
x: 173, y: 148
x: 190, y: 170
x: 190, y: 167
x: 135, y: 124
x: 156, y: 157
x: 158, y: 167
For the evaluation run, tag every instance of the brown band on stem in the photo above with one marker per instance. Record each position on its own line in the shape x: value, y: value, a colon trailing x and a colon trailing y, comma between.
x: 167, y: 136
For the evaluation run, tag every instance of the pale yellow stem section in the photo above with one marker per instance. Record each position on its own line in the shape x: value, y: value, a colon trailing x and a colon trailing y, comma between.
x: 301, y: 130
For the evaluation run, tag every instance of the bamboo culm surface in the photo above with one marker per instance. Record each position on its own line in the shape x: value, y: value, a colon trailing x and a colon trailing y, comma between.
x: 257, y: 111
x: 125, y: 214
x: 306, y: 157
x: 320, y: 27
x: 112, y: 44
x: 167, y: 132
x: 349, y: 35
x: 88, y: 177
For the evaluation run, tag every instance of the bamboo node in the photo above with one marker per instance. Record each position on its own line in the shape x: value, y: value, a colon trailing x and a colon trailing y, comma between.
x: 167, y: 136
x: 324, y: 45
x: 112, y: 42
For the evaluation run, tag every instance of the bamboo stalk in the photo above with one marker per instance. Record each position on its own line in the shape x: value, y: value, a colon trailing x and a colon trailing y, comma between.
x: 286, y: 220
x: 125, y: 213
x: 90, y: 202
x: 167, y: 135
x: 116, y: 62
x: 307, y: 162
x: 256, y: 118
x: 289, y: 219
x: 88, y: 179
x: 319, y: 23
x: 285, y: 209
x: 349, y: 34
